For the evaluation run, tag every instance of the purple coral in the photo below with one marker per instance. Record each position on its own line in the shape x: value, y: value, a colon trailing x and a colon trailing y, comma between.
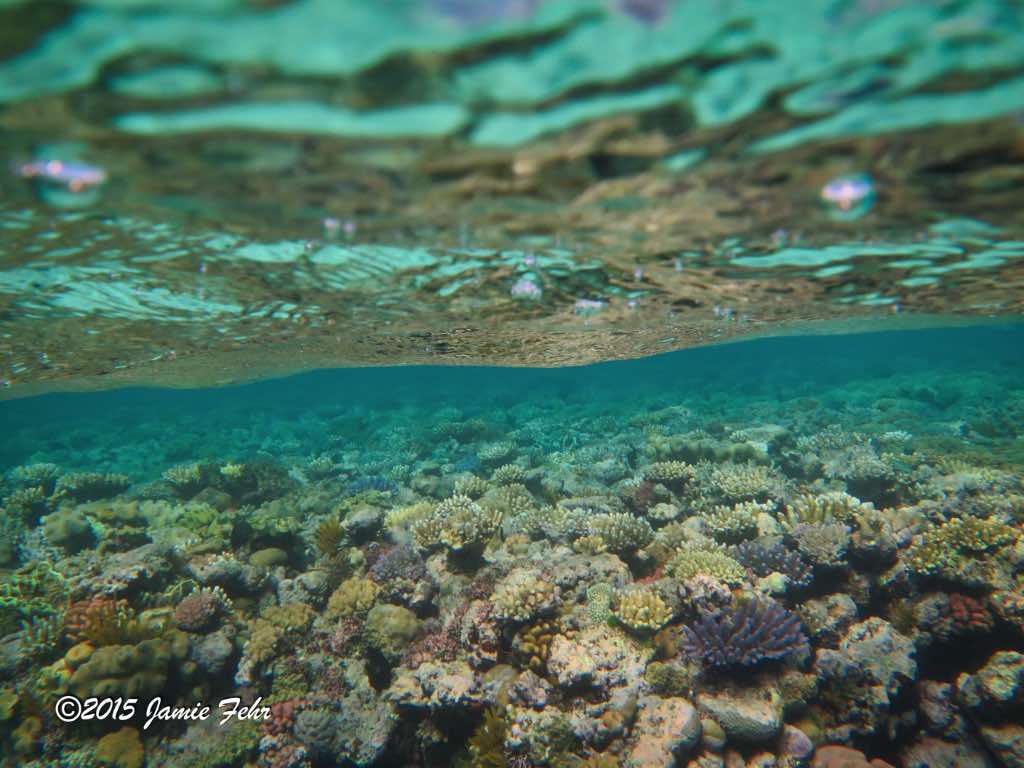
x: 400, y: 562
x: 199, y: 611
x: 756, y: 631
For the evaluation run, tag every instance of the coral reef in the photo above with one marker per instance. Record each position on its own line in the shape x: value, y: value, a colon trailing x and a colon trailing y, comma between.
x: 754, y: 632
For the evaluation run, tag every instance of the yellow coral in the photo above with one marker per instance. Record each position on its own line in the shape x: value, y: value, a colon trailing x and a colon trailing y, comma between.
x: 641, y: 609
x: 121, y: 749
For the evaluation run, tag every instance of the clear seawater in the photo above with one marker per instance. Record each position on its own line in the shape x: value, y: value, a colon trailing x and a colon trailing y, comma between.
x: 509, y: 383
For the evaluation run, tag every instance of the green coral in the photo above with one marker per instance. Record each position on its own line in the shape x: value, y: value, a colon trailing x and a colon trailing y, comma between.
x: 486, y: 747
x: 291, y: 617
x: 641, y: 609
x: 693, y: 562
x: 667, y: 679
x: 33, y: 590
x: 69, y: 529
x: 353, y: 596
x: 390, y: 629
x: 599, y: 604
x: 90, y: 486
x: 746, y: 482
x: 472, y: 486
x: 130, y: 670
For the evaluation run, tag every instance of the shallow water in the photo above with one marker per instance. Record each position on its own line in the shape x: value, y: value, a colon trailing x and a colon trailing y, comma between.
x: 509, y: 383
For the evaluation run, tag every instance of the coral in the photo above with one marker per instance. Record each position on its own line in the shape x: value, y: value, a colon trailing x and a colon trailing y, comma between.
x: 401, y: 574
x: 953, y: 549
x: 496, y: 453
x: 328, y: 537
x: 823, y: 509
x: 69, y: 529
x: 641, y: 609
x: 189, y: 479
x: 202, y: 610
x: 696, y: 562
x: 390, y: 629
x: 121, y: 749
x: 456, y: 523
x: 667, y: 679
x: 371, y: 483
x: 485, y: 748
x: 472, y: 486
x: 599, y: 603
x: 532, y: 644
x: 40, y: 475
x: 823, y: 545
x: 105, y: 621
x: 507, y: 474
x: 754, y: 632
x: 731, y: 525
x: 292, y: 617
x: 140, y: 670
x: 353, y: 596
x: 671, y: 473
x: 621, y: 532
x: 42, y: 636
x: 524, y: 595
x: 765, y: 559
x: 746, y: 482
x: 90, y: 486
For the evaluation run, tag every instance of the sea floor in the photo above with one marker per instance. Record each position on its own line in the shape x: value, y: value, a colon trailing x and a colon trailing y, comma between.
x: 786, y: 552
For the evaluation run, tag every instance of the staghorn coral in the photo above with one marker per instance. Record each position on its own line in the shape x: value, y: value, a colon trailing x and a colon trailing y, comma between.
x: 524, y: 595
x: 41, y: 475
x: 641, y: 609
x: 456, y: 523
x: 690, y: 562
x: 497, y: 453
x: 621, y: 532
x: 754, y: 632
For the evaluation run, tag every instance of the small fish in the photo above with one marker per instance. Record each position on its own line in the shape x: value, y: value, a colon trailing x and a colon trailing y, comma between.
x: 650, y: 12
x: 75, y: 176
x: 849, y: 196
x: 526, y: 288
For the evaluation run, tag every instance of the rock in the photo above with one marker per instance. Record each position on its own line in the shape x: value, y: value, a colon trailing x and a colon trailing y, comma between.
x: 529, y: 690
x: 598, y: 658
x: 998, y: 684
x: 271, y: 557
x: 931, y: 752
x: 362, y: 523
x: 828, y: 618
x: 213, y: 652
x: 762, y: 760
x: 834, y: 756
x: 880, y: 649
x: 747, y: 715
x: 936, y: 705
x: 665, y: 730
x: 712, y: 735
x: 436, y: 686
x: 1006, y: 742
x: 795, y: 747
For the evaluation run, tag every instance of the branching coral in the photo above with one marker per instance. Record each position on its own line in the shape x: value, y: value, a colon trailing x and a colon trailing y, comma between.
x: 328, y: 537
x: 823, y: 509
x: 456, y: 523
x: 671, y: 473
x: 622, y: 532
x: 746, y: 482
x: 949, y: 549
x: 507, y: 474
x: 756, y: 631
x: 524, y: 595
x: 696, y: 562
x: 823, y: 545
x: 90, y: 486
x: 730, y: 525
x: 641, y: 609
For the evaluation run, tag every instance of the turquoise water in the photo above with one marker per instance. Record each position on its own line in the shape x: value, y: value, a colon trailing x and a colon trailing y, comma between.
x: 511, y: 384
